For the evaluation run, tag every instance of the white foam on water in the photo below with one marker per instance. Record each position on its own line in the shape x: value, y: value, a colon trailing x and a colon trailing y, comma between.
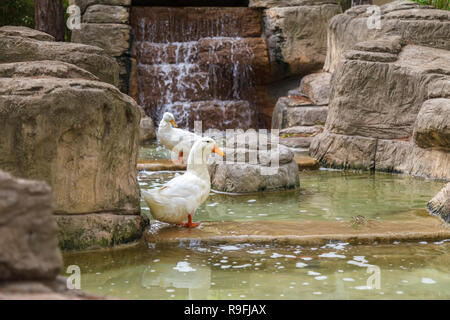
x: 184, y: 266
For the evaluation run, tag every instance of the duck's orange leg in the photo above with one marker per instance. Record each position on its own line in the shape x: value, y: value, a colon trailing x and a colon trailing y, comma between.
x: 188, y: 224
x: 180, y: 157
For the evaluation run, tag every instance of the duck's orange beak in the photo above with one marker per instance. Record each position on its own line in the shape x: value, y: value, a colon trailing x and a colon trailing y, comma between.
x: 173, y: 123
x: 218, y: 151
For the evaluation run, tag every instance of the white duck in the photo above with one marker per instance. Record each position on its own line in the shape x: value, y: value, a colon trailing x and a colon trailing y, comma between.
x: 178, y: 140
x: 180, y: 198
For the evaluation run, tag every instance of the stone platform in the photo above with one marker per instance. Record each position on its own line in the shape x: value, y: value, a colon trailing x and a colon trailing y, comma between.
x: 422, y: 227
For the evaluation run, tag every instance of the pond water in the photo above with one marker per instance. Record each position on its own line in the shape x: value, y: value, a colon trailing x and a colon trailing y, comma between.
x: 323, y: 194
x: 333, y: 271
x: 417, y: 270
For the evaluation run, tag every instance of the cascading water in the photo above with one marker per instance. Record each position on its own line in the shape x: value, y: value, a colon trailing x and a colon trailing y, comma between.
x: 198, y: 63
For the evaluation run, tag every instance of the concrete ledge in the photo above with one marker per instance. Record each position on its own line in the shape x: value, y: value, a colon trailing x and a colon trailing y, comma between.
x: 159, y: 165
x: 302, y: 232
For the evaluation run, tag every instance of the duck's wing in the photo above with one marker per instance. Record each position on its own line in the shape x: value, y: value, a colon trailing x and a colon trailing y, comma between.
x: 185, y: 186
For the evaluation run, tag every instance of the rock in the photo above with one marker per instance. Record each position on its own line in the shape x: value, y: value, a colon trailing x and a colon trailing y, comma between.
x: 112, y: 37
x: 306, y: 116
x: 106, y: 14
x: 47, y: 68
x: 93, y: 231
x: 411, y: 22
x: 299, y: 136
x: 296, y: 142
x: 28, y: 231
x: 72, y: 132
x: 297, y: 37
x: 379, y: 116
x: 146, y: 129
x: 346, y: 152
x: 306, y: 163
x: 26, y: 33
x: 432, y: 128
x: 279, y: 116
x: 84, y: 4
x: 253, y: 167
x: 440, y: 204
x: 89, y: 58
x: 317, y: 87
x: 387, y: 96
x: 284, y: 3
x: 406, y: 157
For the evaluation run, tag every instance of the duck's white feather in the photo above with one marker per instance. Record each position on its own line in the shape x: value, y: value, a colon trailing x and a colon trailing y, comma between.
x: 184, y: 194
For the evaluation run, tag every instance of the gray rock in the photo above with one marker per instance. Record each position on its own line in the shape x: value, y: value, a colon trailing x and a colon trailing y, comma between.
x: 341, y: 151
x: 252, y: 167
x: 317, y: 87
x: 279, y: 115
x: 306, y: 116
x: 296, y: 142
x: 440, y: 204
x: 106, y: 14
x: 28, y: 230
x: 297, y: 37
x: 47, y: 68
x: 146, y: 129
x: 112, y: 37
x: 407, y: 21
x: 84, y: 4
x: 25, y: 32
x: 432, y: 128
x: 286, y: 3
x: 89, y: 58
x: 80, y: 136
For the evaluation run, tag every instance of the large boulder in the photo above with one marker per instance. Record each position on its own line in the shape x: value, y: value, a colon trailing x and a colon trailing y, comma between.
x: 440, y: 204
x: 411, y: 21
x: 379, y: 113
x: 297, y: 36
x: 254, y: 162
x: 80, y: 136
x: 59, y: 124
x: 28, y: 231
x: 20, y: 48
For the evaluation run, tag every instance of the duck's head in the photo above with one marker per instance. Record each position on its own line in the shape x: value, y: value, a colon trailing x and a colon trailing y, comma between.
x: 209, y: 146
x: 201, y: 150
x: 169, y: 119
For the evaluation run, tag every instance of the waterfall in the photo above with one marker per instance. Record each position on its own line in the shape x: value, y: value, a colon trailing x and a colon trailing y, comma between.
x: 197, y: 64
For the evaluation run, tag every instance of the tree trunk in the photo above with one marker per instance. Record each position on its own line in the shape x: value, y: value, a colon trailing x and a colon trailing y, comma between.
x: 49, y: 18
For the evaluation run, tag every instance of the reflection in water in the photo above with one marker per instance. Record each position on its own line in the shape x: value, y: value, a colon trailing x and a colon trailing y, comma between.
x: 333, y: 271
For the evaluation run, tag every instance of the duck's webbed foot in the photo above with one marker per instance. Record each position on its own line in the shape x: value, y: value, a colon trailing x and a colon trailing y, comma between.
x: 188, y: 224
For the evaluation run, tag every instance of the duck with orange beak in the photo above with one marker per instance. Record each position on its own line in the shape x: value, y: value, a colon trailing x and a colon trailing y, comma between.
x: 177, y: 140
x: 180, y: 198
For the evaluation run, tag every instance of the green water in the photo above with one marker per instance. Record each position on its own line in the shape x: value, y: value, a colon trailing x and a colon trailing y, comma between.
x: 334, y: 271
x: 323, y: 194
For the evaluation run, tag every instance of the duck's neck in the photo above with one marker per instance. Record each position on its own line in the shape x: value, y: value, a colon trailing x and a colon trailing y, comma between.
x: 197, y: 163
x: 164, y: 126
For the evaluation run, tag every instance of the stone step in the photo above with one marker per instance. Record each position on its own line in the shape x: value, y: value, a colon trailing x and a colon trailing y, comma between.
x: 312, y: 232
x: 306, y: 116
